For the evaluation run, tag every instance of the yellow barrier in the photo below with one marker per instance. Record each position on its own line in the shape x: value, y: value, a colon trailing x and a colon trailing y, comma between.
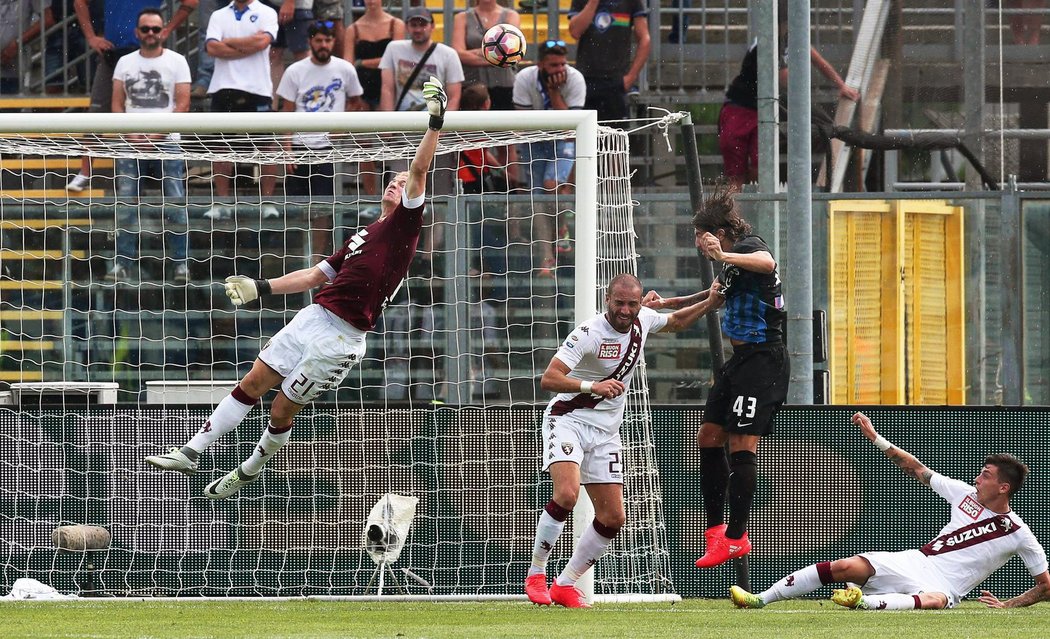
x: 897, y: 319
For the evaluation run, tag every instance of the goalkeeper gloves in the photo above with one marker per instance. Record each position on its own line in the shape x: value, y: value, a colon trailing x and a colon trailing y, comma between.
x: 241, y: 289
x: 436, y: 100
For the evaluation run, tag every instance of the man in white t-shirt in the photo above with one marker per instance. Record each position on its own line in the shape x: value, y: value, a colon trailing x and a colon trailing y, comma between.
x: 321, y: 83
x: 239, y: 38
x: 151, y: 80
x: 549, y: 85
x: 401, y: 58
x: 981, y: 536
x: 592, y: 372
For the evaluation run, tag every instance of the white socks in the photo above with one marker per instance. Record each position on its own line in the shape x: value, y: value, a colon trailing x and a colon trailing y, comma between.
x: 227, y: 415
x: 548, y: 529
x: 891, y: 601
x: 590, y: 548
x: 269, y: 443
x: 796, y: 584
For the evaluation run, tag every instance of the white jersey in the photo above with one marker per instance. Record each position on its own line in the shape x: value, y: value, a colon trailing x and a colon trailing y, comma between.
x: 595, y: 351
x: 529, y: 93
x: 401, y: 58
x: 149, y: 83
x: 319, y: 88
x: 251, y: 73
x: 977, y: 542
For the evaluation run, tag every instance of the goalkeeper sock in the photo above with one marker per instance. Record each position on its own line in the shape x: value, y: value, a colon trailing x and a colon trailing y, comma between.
x: 228, y: 415
x: 548, y: 529
x: 272, y: 440
x: 799, y: 583
x: 592, y: 545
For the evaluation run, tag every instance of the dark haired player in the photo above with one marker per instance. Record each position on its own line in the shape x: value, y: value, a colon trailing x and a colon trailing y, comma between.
x: 316, y: 350
x: 981, y: 536
x: 751, y: 386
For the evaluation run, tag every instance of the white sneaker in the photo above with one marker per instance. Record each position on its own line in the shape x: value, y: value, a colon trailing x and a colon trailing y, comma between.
x: 79, y: 182
x: 182, y: 273
x: 228, y: 484
x: 218, y: 212
x: 117, y: 274
x: 175, y: 460
x: 269, y: 210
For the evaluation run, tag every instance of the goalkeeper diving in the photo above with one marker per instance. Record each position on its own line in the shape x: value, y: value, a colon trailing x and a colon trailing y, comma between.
x: 324, y: 340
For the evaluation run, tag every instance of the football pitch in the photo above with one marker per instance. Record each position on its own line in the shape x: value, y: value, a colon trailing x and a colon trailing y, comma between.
x: 308, y: 619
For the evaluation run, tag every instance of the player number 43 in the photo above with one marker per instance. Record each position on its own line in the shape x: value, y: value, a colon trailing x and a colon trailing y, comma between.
x: 740, y: 410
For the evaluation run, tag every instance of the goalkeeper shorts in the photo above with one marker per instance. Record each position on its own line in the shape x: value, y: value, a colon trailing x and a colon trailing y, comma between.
x: 313, y: 353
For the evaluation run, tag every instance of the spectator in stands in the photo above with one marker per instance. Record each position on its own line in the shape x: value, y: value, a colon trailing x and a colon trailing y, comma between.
x: 481, y: 171
x: 19, y: 25
x: 320, y: 83
x: 679, y: 21
x: 205, y: 63
x: 116, y: 40
x: 1025, y: 27
x: 406, y: 64
x: 294, y: 18
x: 603, y: 29
x: 333, y: 10
x: 150, y: 80
x: 64, y: 44
x: 468, y: 29
x: 366, y: 41
x: 241, y: 83
x: 738, y: 120
x: 550, y: 84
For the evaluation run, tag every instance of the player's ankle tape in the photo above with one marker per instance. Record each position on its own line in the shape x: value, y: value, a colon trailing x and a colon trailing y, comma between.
x: 436, y: 123
x: 263, y: 286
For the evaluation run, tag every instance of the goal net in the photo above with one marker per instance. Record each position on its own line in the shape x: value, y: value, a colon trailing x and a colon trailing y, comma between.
x: 119, y: 285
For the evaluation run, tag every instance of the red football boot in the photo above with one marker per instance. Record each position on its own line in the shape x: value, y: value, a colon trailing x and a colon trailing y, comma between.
x: 567, y: 596
x: 536, y: 589
x: 722, y: 550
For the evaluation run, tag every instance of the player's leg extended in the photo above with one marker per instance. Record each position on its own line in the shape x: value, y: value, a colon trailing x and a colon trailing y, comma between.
x: 230, y: 412
x: 565, y: 476
x: 806, y: 580
x: 714, y: 481
x: 609, y: 517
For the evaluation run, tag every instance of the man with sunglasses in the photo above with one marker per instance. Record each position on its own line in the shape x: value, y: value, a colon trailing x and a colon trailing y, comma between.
x: 151, y: 80
x: 551, y: 84
x: 116, y: 39
x: 603, y: 29
x: 322, y: 83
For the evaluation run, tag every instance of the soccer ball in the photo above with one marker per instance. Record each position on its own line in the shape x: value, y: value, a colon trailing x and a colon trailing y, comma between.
x: 503, y: 45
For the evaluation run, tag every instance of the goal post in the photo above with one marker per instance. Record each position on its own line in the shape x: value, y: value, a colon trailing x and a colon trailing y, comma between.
x: 447, y: 318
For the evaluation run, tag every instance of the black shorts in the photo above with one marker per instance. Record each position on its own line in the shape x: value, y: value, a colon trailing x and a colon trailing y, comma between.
x: 749, y: 389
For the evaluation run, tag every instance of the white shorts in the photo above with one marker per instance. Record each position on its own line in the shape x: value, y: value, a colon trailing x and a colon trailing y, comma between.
x: 313, y: 353
x: 597, y: 452
x: 908, y: 572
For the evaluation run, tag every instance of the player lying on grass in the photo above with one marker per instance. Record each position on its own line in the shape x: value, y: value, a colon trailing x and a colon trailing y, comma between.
x: 316, y: 350
x: 982, y: 535
x: 592, y: 373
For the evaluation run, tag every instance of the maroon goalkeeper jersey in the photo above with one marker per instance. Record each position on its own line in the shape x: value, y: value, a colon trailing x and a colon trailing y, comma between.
x: 371, y: 266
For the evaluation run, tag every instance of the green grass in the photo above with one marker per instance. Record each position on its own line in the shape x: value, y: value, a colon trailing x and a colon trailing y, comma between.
x: 309, y: 619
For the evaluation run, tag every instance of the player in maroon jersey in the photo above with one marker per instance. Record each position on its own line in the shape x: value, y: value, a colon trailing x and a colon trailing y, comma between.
x: 316, y: 350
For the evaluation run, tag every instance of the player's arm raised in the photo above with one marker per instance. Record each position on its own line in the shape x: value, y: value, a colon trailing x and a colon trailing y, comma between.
x: 685, y: 317
x: 908, y: 463
x: 556, y: 380
x: 436, y: 100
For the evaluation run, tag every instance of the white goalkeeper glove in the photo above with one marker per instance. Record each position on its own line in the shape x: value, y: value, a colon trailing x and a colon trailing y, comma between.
x: 241, y: 289
x: 434, y: 94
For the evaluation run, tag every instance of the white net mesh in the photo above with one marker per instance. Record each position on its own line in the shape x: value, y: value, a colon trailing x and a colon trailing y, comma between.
x: 444, y: 407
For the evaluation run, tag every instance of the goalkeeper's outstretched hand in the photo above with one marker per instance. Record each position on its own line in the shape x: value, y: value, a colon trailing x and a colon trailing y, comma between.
x: 241, y: 289
x: 437, y: 100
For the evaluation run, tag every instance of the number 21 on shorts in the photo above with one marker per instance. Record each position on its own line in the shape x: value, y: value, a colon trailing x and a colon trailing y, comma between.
x: 745, y: 407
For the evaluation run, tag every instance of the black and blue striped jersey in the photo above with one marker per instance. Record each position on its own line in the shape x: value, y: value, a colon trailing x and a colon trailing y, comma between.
x: 754, y: 308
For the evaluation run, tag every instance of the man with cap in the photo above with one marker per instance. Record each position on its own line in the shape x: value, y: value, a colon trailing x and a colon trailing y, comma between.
x: 408, y: 63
